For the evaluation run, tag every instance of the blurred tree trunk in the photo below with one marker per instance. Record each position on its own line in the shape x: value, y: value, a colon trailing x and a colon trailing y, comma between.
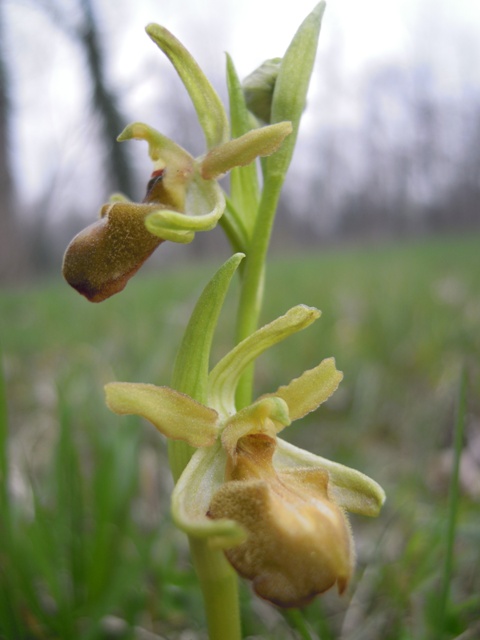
x: 86, y: 32
x: 105, y: 102
x: 13, y: 256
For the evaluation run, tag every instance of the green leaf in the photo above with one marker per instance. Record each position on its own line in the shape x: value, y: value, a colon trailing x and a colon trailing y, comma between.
x: 291, y: 86
x: 192, y: 363
x: 244, y: 190
x: 4, y: 471
x: 210, y: 111
x: 224, y: 378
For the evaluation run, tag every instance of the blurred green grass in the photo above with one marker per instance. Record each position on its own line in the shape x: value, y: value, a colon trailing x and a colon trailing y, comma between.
x: 86, y: 546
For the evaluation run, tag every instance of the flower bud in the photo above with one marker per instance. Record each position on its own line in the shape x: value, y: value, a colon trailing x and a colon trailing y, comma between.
x: 258, y: 89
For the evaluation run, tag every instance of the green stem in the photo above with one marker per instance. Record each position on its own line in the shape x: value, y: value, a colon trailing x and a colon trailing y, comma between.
x: 296, y: 620
x: 218, y: 581
x: 251, y: 295
x: 219, y: 585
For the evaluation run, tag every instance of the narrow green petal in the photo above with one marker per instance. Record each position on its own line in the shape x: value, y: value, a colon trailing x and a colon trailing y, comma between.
x: 267, y: 416
x: 311, y: 389
x: 174, y: 414
x: 210, y: 111
x: 224, y: 377
x: 192, y: 495
x: 349, y: 488
x: 242, y: 151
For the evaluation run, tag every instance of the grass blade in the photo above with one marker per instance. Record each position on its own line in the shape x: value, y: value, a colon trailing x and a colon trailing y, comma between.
x: 453, y: 505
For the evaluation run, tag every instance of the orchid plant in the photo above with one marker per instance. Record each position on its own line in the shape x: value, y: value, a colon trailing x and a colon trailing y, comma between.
x: 250, y: 502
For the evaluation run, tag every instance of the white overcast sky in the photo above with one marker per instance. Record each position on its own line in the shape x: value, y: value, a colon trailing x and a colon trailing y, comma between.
x: 252, y: 30
x: 355, y: 36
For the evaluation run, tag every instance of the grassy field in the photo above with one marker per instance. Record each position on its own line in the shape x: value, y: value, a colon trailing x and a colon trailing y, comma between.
x: 87, y: 549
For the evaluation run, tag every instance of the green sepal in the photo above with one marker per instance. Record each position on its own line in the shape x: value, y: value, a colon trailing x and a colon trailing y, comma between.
x: 190, y: 373
x: 291, y: 86
x: 349, y: 488
x: 224, y: 378
x: 174, y: 414
x: 210, y: 111
x: 191, y: 498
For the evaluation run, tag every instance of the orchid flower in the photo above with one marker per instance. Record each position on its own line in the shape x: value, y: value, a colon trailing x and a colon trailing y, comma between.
x: 276, y: 510
x: 183, y: 195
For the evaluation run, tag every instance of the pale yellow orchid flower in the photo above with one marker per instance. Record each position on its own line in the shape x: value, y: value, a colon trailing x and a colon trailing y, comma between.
x: 276, y: 510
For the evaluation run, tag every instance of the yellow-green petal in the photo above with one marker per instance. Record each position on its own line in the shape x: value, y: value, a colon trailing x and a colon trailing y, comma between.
x: 192, y: 495
x: 349, y: 488
x: 224, y: 377
x: 174, y: 414
x: 311, y: 389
